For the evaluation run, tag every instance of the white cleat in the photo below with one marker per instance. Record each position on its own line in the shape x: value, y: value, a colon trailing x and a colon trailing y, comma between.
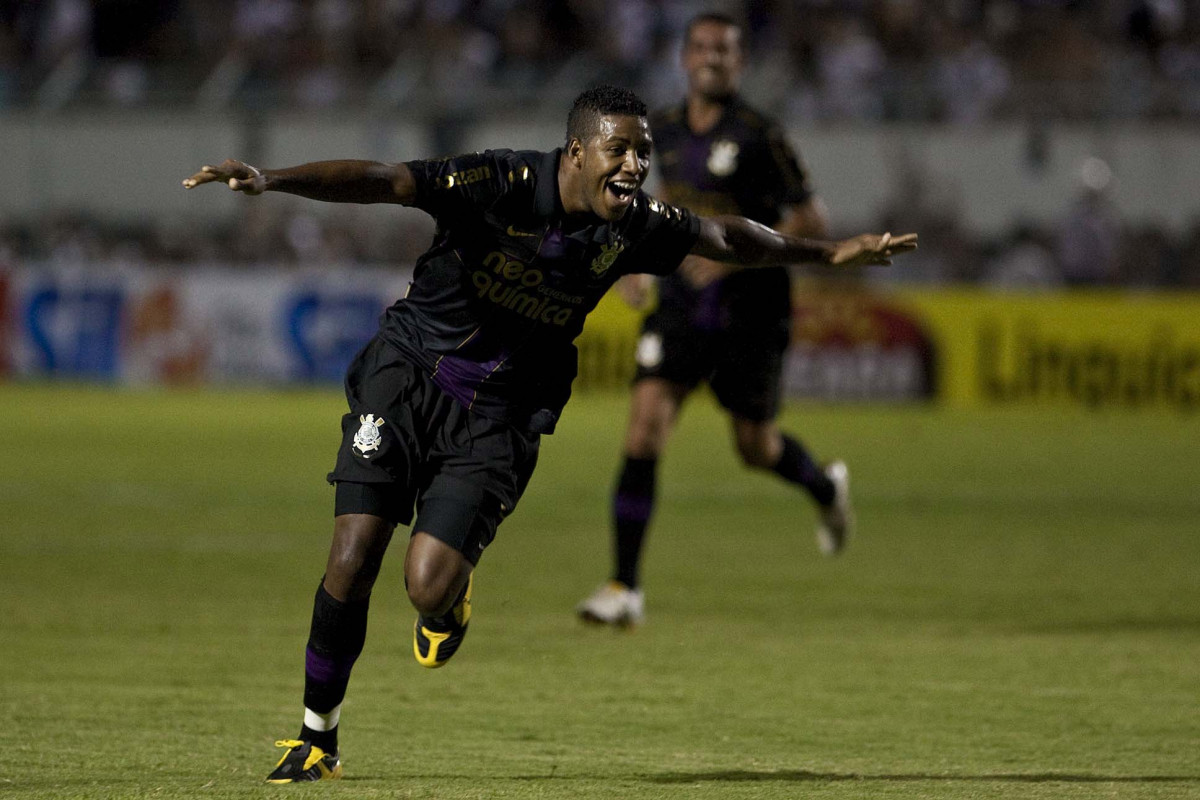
x: 837, y: 519
x: 614, y: 603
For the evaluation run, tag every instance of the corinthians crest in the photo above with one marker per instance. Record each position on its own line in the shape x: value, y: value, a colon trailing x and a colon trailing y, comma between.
x: 608, y: 254
x: 368, y: 438
x: 722, y: 158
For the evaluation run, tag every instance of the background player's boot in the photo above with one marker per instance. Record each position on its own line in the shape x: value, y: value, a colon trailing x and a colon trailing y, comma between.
x: 614, y: 603
x: 837, y: 519
x: 436, y: 639
x: 304, y: 762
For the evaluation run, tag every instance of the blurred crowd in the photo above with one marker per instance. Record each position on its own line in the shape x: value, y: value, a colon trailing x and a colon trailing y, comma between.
x: 959, y: 61
x: 1089, y: 246
x: 812, y: 62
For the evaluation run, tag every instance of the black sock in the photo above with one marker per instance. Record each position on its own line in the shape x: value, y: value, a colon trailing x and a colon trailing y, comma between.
x: 796, y: 466
x: 633, y: 503
x: 326, y: 740
x: 335, y: 640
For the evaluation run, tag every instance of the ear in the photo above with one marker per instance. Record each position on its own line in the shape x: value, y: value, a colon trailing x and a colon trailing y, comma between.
x: 575, y: 152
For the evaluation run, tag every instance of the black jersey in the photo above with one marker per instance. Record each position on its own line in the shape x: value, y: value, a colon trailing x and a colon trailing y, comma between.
x: 499, y: 297
x: 743, y: 166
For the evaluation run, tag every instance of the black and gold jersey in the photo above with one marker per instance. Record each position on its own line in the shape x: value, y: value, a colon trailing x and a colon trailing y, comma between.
x: 743, y: 166
x: 501, y: 294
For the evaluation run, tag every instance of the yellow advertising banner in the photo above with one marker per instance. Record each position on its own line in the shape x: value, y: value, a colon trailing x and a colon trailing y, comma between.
x: 607, y: 345
x: 1092, y: 349
x: 964, y: 347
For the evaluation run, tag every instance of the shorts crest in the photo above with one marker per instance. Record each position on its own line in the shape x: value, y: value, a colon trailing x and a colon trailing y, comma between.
x: 723, y: 158
x: 368, y: 438
x: 649, y: 351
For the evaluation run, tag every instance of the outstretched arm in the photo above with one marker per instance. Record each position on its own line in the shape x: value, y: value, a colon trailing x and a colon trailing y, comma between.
x: 746, y: 243
x: 807, y: 219
x: 331, y: 181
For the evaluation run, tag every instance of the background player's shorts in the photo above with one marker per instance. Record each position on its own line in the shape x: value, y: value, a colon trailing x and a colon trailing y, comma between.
x: 743, y: 365
x: 406, y: 443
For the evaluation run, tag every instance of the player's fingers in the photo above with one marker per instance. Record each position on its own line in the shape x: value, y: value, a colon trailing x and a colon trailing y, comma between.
x: 906, y: 242
x: 206, y: 174
x: 883, y: 242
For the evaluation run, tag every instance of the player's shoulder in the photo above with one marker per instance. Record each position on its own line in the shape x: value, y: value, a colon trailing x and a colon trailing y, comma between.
x: 514, y: 174
x: 523, y: 167
x: 753, y: 119
x: 649, y: 213
x: 667, y: 118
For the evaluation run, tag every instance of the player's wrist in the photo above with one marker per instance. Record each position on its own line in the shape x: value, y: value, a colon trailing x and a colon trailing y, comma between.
x: 826, y: 252
x: 817, y: 251
x: 261, y: 179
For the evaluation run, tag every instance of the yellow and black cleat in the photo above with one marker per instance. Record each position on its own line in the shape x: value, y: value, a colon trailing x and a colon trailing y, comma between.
x: 304, y: 762
x: 436, y: 639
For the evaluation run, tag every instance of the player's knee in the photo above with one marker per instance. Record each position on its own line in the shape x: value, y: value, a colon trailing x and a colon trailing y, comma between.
x: 431, y: 593
x: 642, y: 446
x: 351, y: 567
x: 646, y: 436
x: 755, y: 453
x: 434, y: 573
x: 430, y: 600
x: 355, y: 555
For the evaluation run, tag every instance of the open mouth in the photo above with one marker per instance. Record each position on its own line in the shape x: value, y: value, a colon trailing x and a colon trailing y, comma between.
x: 622, y: 191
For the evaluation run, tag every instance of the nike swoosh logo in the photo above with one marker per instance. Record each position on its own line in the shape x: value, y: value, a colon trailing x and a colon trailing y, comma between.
x: 514, y: 232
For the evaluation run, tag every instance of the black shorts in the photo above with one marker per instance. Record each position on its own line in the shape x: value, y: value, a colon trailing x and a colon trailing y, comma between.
x: 406, y: 443
x: 742, y: 364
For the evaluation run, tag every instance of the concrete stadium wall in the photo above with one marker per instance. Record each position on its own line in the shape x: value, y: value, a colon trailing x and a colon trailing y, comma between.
x: 127, y: 167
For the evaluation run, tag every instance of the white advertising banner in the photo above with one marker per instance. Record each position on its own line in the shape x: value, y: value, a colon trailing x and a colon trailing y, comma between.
x: 217, y: 324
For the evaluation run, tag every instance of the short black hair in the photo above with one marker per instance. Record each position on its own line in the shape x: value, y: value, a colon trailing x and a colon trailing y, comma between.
x: 710, y: 16
x: 597, y: 102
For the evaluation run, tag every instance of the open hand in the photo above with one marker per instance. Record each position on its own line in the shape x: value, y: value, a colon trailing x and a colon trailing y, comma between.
x: 240, y: 176
x: 870, y: 249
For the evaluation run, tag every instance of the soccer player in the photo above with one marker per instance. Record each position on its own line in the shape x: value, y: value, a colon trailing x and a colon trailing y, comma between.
x: 716, y: 155
x: 448, y: 401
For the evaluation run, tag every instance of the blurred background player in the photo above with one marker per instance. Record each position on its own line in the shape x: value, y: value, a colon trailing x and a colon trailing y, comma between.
x: 717, y: 155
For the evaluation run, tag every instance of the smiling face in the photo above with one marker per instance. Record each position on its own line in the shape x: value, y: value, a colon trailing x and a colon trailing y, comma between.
x: 608, y: 167
x: 712, y: 59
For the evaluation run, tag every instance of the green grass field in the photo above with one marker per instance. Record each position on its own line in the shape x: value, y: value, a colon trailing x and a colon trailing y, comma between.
x: 1018, y: 617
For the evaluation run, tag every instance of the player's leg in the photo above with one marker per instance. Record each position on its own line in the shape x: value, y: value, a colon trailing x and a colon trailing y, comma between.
x: 761, y: 445
x: 336, y: 636
x: 438, y: 579
x: 373, y: 494
x: 480, y: 468
x: 435, y: 574
x: 672, y: 358
x: 747, y: 381
x: 653, y: 410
